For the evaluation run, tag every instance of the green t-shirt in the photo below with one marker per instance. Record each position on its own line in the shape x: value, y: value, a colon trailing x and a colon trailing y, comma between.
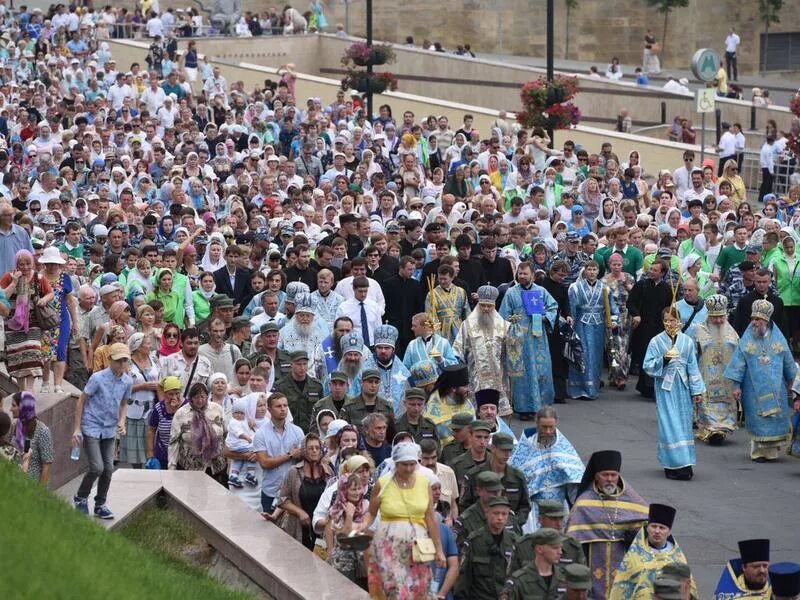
x: 729, y: 256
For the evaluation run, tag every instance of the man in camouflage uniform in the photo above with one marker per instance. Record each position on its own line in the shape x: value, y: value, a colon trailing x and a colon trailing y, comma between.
x: 334, y: 401
x: 301, y: 390
x: 513, y: 479
x: 368, y: 401
x: 477, y: 454
x: 412, y: 421
x: 486, y: 553
x: 542, y: 578
x: 462, y: 436
x: 489, y: 486
x: 551, y: 515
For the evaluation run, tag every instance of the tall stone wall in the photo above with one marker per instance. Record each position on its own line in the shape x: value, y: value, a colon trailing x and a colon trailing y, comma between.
x: 598, y: 29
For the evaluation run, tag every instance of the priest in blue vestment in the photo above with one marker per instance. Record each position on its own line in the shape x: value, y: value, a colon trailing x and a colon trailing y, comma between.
x: 533, y: 310
x: 763, y: 370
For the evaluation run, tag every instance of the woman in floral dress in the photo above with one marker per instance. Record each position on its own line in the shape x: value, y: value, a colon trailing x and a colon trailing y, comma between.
x: 619, y: 286
x: 55, y: 341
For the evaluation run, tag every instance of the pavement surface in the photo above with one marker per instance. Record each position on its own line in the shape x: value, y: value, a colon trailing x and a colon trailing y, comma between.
x: 730, y: 498
x: 781, y: 90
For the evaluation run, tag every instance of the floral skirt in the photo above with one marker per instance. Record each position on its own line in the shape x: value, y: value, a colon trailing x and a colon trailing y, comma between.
x: 392, y: 573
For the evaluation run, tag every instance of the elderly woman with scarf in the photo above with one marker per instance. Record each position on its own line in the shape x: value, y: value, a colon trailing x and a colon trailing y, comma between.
x: 346, y: 512
x: 120, y: 315
x: 197, y: 436
x: 23, y: 288
x: 32, y: 438
x: 144, y: 371
x: 403, y: 497
x: 301, y: 490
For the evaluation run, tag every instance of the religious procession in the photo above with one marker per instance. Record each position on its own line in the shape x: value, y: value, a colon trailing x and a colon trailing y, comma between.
x: 365, y: 326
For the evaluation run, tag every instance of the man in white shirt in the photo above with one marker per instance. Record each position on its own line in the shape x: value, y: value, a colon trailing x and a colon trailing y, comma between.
x: 119, y: 91
x: 214, y: 85
x: 154, y: 96
x: 359, y: 269
x: 154, y: 26
x: 731, y: 47
x: 167, y: 113
x: 726, y: 147
x: 698, y: 191
x: 741, y: 142
x: 681, y: 175
x: 363, y: 312
x: 767, y: 163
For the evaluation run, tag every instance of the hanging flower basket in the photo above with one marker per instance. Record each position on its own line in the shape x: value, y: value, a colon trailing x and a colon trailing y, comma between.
x: 548, y: 103
x: 363, y: 83
x: 363, y: 55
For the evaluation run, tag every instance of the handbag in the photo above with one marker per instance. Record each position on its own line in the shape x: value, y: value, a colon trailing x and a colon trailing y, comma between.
x: 46, y: 315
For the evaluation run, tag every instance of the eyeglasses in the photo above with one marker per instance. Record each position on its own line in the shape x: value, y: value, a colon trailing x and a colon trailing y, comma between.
x: 171, y: 335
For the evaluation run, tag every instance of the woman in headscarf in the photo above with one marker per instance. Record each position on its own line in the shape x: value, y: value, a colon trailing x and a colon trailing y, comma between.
x: 218, y: 387
x: 23, y: 288
x: 144, y: 371
x: 202, y: 296
x: 214, y: 256
x: 607, y: 217
x: 170, y: 340
x: 171, y: 298
x: 347, y: 511
x: 197, y: 436
x: 166, y: 228
x: 591, y: 198
x: 730, y: 173
x: 301, y: 490
x: 694, y: 267
x: 119, y: 314
x: 457, y: 184
x: 403, y: 497
x: 32, y: 438
x: 139, y: 278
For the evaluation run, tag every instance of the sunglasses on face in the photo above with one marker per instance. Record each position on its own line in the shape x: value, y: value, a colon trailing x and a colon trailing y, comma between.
x: 171, y: 335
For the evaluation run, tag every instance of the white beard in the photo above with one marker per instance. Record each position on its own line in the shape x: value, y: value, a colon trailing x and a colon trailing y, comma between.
x: 302, y: 330
x: 486, y: 321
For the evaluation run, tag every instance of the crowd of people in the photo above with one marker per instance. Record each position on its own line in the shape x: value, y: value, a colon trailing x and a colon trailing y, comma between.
x: 339, y: 318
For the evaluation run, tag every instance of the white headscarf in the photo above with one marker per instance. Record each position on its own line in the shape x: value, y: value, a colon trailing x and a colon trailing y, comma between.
x: 206, y: 264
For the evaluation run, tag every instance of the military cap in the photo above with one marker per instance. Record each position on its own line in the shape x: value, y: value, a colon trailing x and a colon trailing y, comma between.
x: 461, y: 420
x: 480, y: 425
x: 498, y: 501
x: 298, y: 355
x: 267, y: 327
x: 339, y: 376
x: 241, y: 322
x: 489, y: 480
x: 578, y: 576
x: 667, y: 588
x: 676, y: 570
x: 551, y: 508
x: 221, y: 301
x: 370, y: 374
x: 503, y: 441
x: 546, y: 537
x: 414, y: 393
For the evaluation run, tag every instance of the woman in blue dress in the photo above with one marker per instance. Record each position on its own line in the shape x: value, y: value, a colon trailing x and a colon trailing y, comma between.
x: 593, y: 310
x: 56, y: 340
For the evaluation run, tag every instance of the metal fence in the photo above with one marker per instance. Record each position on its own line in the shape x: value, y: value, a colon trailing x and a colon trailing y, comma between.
x: 750, y: 171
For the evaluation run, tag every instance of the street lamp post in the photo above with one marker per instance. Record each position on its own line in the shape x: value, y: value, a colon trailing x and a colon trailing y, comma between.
x: 369, y: 66
x: 550, y: 36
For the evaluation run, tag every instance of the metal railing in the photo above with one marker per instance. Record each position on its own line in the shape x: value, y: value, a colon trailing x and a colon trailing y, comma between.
x: 750, y: 170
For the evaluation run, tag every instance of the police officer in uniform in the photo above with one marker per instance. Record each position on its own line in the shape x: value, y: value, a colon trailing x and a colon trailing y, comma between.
x: 478, y: 453
x: 552, y: 515
x: 301, y: 390
x: 422, y: 428
x: 542, y: 578
x: 513, y: 479
x: 486, y: 553
x: 460, y: 424
x: 489, y: 485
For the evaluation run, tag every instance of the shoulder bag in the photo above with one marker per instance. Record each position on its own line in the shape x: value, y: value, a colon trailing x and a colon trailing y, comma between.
x: 46, y: 315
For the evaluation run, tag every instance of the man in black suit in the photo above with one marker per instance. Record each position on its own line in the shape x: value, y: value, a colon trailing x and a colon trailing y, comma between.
x: 404, y: 299
x: 234, y: 281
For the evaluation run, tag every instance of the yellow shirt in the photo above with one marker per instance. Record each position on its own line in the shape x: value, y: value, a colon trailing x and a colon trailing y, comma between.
x: 399, y: 504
